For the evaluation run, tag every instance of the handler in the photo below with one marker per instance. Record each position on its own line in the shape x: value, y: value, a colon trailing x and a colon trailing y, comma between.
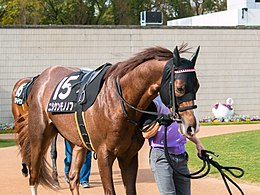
x: 168, y: 180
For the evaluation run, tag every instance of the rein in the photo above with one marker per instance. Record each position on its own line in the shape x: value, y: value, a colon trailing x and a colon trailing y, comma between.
x: 207, y: 161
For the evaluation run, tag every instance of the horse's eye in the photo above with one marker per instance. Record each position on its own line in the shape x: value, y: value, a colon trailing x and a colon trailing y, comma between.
x: 180, y: 89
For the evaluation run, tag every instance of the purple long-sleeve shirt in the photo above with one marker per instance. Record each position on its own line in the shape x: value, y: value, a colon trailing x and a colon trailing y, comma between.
x: 175, y: 140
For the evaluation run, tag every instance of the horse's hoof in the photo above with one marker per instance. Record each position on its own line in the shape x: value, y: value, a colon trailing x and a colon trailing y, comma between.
x: 25, y: 172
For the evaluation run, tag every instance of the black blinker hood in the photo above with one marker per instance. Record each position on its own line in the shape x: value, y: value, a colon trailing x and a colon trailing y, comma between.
x: 165, y: 89
x: 166, y: 92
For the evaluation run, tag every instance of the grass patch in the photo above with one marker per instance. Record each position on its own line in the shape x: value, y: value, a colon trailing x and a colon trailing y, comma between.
x: 7, y: 131
x: 7, y: 142
x: 6, y: 128
x: 237, y: 149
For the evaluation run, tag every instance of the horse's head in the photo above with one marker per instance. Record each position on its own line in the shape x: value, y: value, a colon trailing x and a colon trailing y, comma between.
x: 178, y: 90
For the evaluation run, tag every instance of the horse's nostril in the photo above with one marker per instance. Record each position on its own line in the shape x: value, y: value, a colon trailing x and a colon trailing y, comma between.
x: 189, y: 130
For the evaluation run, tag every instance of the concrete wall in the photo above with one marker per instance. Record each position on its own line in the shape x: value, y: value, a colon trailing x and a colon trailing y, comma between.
x: 228, y: 64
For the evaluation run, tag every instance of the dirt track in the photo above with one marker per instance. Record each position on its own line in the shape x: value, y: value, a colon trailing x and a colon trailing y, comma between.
x: 13, y: 183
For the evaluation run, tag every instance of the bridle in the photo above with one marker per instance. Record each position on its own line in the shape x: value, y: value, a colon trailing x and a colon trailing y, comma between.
x: 174, y: 67
x: 174, y: 114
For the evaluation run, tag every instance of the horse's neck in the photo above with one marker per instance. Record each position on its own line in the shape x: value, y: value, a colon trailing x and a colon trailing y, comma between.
x: 141, y: 85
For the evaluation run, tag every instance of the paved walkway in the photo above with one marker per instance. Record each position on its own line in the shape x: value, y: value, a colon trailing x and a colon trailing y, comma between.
x: 13, y: 183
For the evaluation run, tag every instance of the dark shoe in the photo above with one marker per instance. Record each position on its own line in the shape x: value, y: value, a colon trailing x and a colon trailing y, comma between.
x: 85, y: 185
x: 66, y: 178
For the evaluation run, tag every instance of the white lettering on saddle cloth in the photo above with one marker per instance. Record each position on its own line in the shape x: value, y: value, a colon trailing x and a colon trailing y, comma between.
x: 60, y: 107
x: 58, y: 102
x: 18, y: 99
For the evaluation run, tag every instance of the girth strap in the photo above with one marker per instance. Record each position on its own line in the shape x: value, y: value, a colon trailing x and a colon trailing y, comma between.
x: 94, y: 77
x: 79, y: 116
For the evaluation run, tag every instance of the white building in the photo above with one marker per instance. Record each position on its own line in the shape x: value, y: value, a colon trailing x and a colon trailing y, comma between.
x: 239, y: 12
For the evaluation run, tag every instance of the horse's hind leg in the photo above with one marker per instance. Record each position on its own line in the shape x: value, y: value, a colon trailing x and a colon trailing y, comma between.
x: 40, y: 138
x: 54, y: 159
x: 36, y: 155
x: 129, y: 172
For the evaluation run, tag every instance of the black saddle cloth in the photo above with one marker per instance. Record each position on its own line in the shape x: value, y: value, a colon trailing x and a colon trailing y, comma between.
x: 23, y: 91
x: 80, y: 87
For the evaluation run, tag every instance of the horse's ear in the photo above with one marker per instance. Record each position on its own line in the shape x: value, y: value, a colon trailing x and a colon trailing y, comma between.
x: 176, y: 56
x: 194, y: 57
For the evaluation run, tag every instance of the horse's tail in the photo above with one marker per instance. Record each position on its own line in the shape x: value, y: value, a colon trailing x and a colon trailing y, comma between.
x: 23, y: 141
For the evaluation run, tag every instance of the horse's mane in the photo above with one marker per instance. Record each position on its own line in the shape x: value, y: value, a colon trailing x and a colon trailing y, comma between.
x: 157, y: 53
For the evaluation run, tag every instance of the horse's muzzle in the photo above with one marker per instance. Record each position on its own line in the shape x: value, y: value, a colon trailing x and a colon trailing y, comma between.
x: 187, y: 129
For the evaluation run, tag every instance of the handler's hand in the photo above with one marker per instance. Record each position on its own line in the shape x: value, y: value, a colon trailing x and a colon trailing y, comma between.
x: 165, y: 119
x: 199, y: 148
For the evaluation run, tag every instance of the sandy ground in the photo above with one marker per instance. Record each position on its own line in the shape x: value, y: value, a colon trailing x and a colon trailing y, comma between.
x: 13, y: 183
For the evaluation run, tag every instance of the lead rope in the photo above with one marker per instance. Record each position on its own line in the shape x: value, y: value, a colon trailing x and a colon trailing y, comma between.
x: 207, y: 160
x: 192, y: 175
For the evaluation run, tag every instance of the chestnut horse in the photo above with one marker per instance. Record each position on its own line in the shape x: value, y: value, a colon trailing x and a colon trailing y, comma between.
x: 111, y: 124
x: 20, y: 114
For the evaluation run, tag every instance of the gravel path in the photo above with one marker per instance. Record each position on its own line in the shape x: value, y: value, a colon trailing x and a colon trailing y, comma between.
x: 13, y: 183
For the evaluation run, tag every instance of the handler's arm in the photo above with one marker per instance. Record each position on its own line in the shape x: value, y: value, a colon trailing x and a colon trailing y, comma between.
x: 198, y: 143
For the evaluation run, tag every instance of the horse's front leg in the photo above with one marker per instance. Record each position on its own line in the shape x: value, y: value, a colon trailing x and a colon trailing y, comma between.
x: 129, y: 173
x: 78, y: 156
x: 54, y: 159
x: 105, y: 162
